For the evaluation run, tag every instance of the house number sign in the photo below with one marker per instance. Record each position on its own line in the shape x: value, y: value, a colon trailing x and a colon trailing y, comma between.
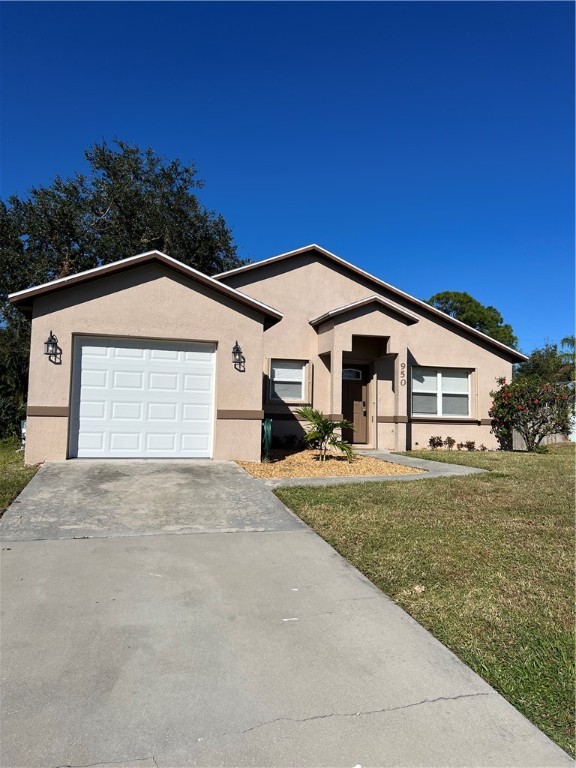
x: 402, y: 374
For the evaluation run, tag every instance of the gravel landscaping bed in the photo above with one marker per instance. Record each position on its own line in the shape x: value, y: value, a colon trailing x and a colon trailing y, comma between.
x: 307, y: 464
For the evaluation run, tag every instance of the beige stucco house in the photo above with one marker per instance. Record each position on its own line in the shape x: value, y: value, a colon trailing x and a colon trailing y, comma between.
x: 143, y: 366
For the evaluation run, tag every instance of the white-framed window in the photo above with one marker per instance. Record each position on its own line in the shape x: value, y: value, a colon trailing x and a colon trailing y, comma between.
x: 441, y: 392
x: 288, y: 381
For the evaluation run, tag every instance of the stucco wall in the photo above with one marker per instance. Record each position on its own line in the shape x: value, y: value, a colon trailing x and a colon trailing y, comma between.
x: 306, y: 286
x: 46, y: 439
x: 149, y: 302
x: 480, y: 434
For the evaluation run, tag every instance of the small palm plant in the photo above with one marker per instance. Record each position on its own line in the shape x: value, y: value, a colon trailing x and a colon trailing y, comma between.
x: 326, y: 432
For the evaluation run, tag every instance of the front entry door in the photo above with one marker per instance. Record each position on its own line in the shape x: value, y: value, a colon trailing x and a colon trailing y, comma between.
x: 355, y: 402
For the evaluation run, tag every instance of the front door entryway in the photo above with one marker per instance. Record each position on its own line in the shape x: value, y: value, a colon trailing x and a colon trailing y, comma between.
x: 355, y: 402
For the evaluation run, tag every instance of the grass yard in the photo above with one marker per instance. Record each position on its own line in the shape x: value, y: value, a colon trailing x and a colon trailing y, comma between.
x: 485, y: 562
x: 13, y: 474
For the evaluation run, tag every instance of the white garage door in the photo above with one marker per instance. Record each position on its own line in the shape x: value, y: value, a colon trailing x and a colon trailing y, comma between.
x: 135, y: 398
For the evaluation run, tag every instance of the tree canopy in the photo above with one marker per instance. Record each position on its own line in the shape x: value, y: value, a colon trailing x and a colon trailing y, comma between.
x: 551, y: 363
x: 128, y: 201
x: 469, y: 310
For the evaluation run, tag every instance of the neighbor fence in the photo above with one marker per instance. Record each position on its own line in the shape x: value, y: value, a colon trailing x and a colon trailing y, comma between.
x: 518, y: 443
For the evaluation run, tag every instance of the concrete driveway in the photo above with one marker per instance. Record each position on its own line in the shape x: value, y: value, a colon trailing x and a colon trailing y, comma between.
x: 201, y: 624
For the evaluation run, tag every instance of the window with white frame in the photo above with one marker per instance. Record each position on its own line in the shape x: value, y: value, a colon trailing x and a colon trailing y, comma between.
x: 441, y: 392
x: 288, y: 380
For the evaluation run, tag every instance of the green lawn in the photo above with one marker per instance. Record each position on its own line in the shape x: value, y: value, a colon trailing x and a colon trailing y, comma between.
x: 13, y: 474
x: 485, y: 562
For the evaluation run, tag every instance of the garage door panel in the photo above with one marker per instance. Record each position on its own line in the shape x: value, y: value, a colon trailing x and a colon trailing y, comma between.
x: 195, y: 412
x: 161, y: 442
x: 128, y: 380
x: 165, y: 354
x: 120, y: 411
x: 94, y: 378
x: 195, y: 442
x: 128, y: 353
x: 137, y: 398
x: 197, y: 383
x: 125, y: 441
x: 91, y: 441
x: 162, y: 412
x: 93, y: 410
x: 94, y: 351
x: 162, y: 382
x: 195, y: 354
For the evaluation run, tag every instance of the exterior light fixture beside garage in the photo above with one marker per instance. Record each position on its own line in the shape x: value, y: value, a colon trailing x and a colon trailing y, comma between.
x: 51, y: 345
x: 238, y: 358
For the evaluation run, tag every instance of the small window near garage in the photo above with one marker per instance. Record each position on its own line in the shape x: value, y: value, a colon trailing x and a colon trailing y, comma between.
x: 288, y: 381
x: 441, y: 392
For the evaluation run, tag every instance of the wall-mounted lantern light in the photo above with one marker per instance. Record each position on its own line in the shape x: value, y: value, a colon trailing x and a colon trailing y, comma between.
x: 238, y: 358
x: 51, y: 345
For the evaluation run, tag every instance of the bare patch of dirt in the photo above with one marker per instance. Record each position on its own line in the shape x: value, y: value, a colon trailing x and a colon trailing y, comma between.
x: 307, y: 464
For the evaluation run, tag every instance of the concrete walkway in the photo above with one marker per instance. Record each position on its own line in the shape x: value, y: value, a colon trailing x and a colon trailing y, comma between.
x: 224, y: 634
x: 430, y: 469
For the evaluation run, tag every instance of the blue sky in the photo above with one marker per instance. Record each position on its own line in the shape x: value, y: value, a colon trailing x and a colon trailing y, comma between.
x: 431, y: 144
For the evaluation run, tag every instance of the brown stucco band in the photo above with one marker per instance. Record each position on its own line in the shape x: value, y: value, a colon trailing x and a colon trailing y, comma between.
x: 392, y: 419
x: 486, y: 422
x: 46, y: 410
x: 449, y: 421
x: 282, y: 416
x: 294, y: 417
x: 240, y: 415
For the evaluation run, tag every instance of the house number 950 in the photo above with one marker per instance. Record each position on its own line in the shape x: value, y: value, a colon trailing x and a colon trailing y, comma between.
x: 402, y: 374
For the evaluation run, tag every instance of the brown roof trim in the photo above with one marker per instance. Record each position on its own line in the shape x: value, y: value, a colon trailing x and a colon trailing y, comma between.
x: 411, y: 318
x: 514, y: 354
x: 23, y: 299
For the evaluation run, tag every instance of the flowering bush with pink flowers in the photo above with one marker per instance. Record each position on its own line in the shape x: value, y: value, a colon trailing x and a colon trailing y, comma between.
x: 533, y: 409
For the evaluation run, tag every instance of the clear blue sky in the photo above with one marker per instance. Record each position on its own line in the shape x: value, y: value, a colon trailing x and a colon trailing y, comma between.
x: 431, y: 144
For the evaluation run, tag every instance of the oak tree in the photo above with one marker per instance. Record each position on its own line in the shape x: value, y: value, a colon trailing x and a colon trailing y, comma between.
x: 469, y: 310
x: 128, y: 201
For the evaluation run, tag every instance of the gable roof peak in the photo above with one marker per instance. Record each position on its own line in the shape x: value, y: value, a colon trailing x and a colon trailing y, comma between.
x: 280, y: 257
x: 23, y: 299
x: 418, y: 303
x: 410, y: 317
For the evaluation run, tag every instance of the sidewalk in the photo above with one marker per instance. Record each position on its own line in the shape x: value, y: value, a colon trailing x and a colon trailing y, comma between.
x: 431, y: 469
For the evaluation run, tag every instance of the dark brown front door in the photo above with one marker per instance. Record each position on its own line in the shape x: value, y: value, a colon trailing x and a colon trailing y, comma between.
x: 355, y: 402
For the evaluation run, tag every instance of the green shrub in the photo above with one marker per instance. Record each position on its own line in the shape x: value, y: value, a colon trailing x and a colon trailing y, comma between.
x: 325, y: 433
x: 532, y: 409
x: 12, y: 412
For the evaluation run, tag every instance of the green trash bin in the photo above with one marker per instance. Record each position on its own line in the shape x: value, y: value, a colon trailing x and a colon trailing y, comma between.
x: 266, y: 438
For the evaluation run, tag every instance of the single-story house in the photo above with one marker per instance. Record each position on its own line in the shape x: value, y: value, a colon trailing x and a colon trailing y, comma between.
x: 149, y: 358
